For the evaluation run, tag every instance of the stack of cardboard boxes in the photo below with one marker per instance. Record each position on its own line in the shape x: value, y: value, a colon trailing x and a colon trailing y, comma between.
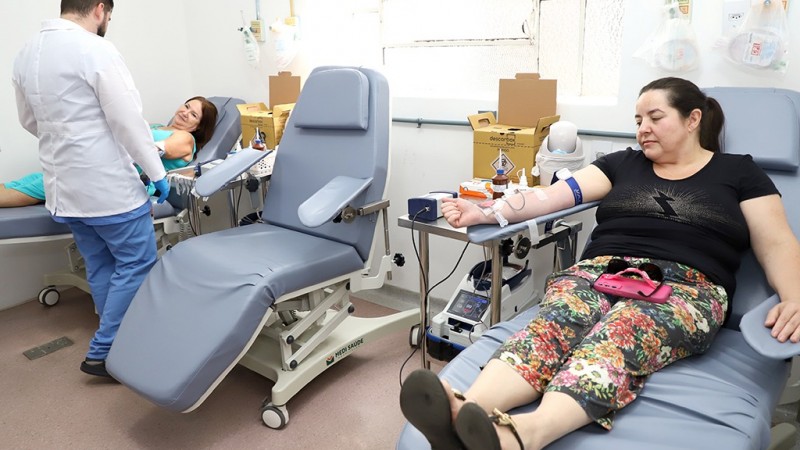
x: 526, y: 109
x: 270, y: 120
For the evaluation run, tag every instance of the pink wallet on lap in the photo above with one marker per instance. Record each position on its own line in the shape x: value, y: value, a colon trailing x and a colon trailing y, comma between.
x: 633, y: 283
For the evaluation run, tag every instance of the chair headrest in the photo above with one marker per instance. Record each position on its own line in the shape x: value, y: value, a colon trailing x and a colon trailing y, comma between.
x: 341, y: 99
x: 762, y: 122
x: 220, y: 103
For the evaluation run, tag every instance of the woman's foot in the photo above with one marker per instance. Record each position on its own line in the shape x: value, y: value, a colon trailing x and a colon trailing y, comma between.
x: 430, y: 405
x: 480, y: 431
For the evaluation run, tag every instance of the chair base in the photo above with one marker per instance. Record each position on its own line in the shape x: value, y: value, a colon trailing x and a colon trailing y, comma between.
x: 68, y: 278
x: 75, y: 274
x: 264, y: 356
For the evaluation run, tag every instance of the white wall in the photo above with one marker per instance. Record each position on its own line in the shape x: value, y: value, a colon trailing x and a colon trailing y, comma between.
x: 152, y: 37
x: 18, y: 151
x: 180, y: 48
x: 150, y: 34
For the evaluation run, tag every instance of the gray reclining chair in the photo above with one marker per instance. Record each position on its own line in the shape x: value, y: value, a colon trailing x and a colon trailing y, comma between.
x: 227, y: 132
x: 33, y: 223
x: 725, y: 398
x: 273, y: 296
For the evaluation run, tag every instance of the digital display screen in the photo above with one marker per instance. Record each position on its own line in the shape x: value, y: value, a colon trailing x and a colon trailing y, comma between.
x: 469, y: 305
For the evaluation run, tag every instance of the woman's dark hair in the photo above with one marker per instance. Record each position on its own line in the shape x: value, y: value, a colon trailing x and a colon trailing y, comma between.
x: 83, y: 7
x: 685, y: 96
x: 208, y: 121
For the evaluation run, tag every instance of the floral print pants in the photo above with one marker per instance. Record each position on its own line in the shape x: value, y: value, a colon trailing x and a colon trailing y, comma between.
x: 599, y: 349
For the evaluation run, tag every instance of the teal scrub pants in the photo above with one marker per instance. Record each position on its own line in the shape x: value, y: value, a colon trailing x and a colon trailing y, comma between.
x: 117, y: 257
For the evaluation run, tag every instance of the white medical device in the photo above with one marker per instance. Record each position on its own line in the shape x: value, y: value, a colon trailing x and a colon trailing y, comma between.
x: 561, y: 149
x: 467, y: 314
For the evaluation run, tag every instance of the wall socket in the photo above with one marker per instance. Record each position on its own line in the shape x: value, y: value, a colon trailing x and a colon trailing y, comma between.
x: 257, y: 27
x: 733, y: 14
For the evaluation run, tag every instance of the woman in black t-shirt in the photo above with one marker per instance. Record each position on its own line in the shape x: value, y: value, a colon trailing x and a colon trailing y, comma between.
x: 680, y: 205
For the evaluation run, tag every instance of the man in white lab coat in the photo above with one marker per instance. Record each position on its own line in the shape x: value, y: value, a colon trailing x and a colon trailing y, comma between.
x: 76, y: 95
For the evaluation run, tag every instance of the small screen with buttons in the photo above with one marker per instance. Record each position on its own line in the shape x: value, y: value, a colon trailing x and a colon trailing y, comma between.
x: 469, y: 305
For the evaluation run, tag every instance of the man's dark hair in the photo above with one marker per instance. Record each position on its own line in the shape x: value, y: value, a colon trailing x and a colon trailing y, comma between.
x: 83, y: 7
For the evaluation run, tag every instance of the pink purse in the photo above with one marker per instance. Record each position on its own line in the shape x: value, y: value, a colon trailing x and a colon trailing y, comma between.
x: 633, y: 283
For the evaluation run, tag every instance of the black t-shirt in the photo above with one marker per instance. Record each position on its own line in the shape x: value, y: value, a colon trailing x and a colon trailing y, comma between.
x: 696, y: 221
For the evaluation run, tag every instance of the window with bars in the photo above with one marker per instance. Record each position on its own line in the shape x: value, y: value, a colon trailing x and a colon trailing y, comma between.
x: 461, y: 48
x: 458, y: 47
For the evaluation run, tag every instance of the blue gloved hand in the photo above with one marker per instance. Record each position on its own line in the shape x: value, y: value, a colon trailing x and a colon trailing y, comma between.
x: 163, y: 188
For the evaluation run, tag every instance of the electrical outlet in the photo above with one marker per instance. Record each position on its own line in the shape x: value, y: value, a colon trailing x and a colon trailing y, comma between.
x: 733, y: 14
x: 257, y: 27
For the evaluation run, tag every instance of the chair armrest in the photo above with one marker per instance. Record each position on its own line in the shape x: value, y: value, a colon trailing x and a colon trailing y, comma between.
x: 327, y: 202
x: 220, y: 175
x: 758, y: 336
x: 479, y: 234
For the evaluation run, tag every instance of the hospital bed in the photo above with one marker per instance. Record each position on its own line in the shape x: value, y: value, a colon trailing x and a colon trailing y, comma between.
x: 274, y: 296
x: 31, y: 224
x: 723, y: 399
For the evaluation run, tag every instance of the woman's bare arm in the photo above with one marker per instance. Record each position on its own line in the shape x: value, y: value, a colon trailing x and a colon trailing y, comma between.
x: 593, y: 183
x: 179, y: 145
x: 778, y: 252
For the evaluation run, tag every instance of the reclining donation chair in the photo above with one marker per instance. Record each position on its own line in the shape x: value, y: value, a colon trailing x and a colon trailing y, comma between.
x: 720, y: 400
x: 32, y: 224
x: 273, y: 296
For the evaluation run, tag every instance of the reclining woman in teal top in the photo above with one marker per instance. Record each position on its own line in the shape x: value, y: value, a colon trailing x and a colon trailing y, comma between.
x: 191, y: 127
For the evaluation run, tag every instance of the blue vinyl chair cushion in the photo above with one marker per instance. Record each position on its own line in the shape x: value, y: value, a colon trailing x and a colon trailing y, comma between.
x: 34, y: 221
x: 29, y: 221
x: 755, y: 135
x: 219, y: 311
x: 347, y: 108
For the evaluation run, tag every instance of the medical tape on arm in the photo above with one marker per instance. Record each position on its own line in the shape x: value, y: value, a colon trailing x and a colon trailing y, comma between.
x: 533, y: 227
x: 494, y: 210
x: 162, y: 147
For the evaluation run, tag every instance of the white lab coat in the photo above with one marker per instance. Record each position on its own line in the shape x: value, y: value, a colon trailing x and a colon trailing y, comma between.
x: 76, y: 95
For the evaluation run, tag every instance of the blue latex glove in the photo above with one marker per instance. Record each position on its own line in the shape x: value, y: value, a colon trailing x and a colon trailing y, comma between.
x: 163, y: 188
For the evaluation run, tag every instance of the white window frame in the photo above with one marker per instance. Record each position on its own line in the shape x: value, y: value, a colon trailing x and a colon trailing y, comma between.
x: 532, y: 39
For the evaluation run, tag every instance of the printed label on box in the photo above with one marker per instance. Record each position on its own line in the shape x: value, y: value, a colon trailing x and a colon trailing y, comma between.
x: 506, y: 164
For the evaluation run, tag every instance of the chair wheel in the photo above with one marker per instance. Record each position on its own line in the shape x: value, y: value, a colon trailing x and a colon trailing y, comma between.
x: 275, y: 417
x: 414, y: 337
x: 49, y: 296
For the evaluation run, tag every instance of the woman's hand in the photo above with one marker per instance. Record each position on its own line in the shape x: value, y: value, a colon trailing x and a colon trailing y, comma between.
x: 784, y: 319
x: 461, y: 213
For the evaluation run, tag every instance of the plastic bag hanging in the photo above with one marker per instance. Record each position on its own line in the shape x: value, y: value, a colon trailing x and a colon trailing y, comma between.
x: 673, y: 45
x: 251, y: 50
x: 284, y: 35
x: 762, y: 41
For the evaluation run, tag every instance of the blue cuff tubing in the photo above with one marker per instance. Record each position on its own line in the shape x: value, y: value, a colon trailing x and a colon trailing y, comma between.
x: 576, y: 190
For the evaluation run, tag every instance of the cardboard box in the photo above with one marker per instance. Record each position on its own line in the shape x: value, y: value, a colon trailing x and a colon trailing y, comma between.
x: 526, y: 109
x: 283, y: 89
x: 270, y: 120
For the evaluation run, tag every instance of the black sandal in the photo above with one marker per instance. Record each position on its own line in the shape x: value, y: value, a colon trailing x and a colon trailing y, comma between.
x: 476, y: 429
x: 424, y: 403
